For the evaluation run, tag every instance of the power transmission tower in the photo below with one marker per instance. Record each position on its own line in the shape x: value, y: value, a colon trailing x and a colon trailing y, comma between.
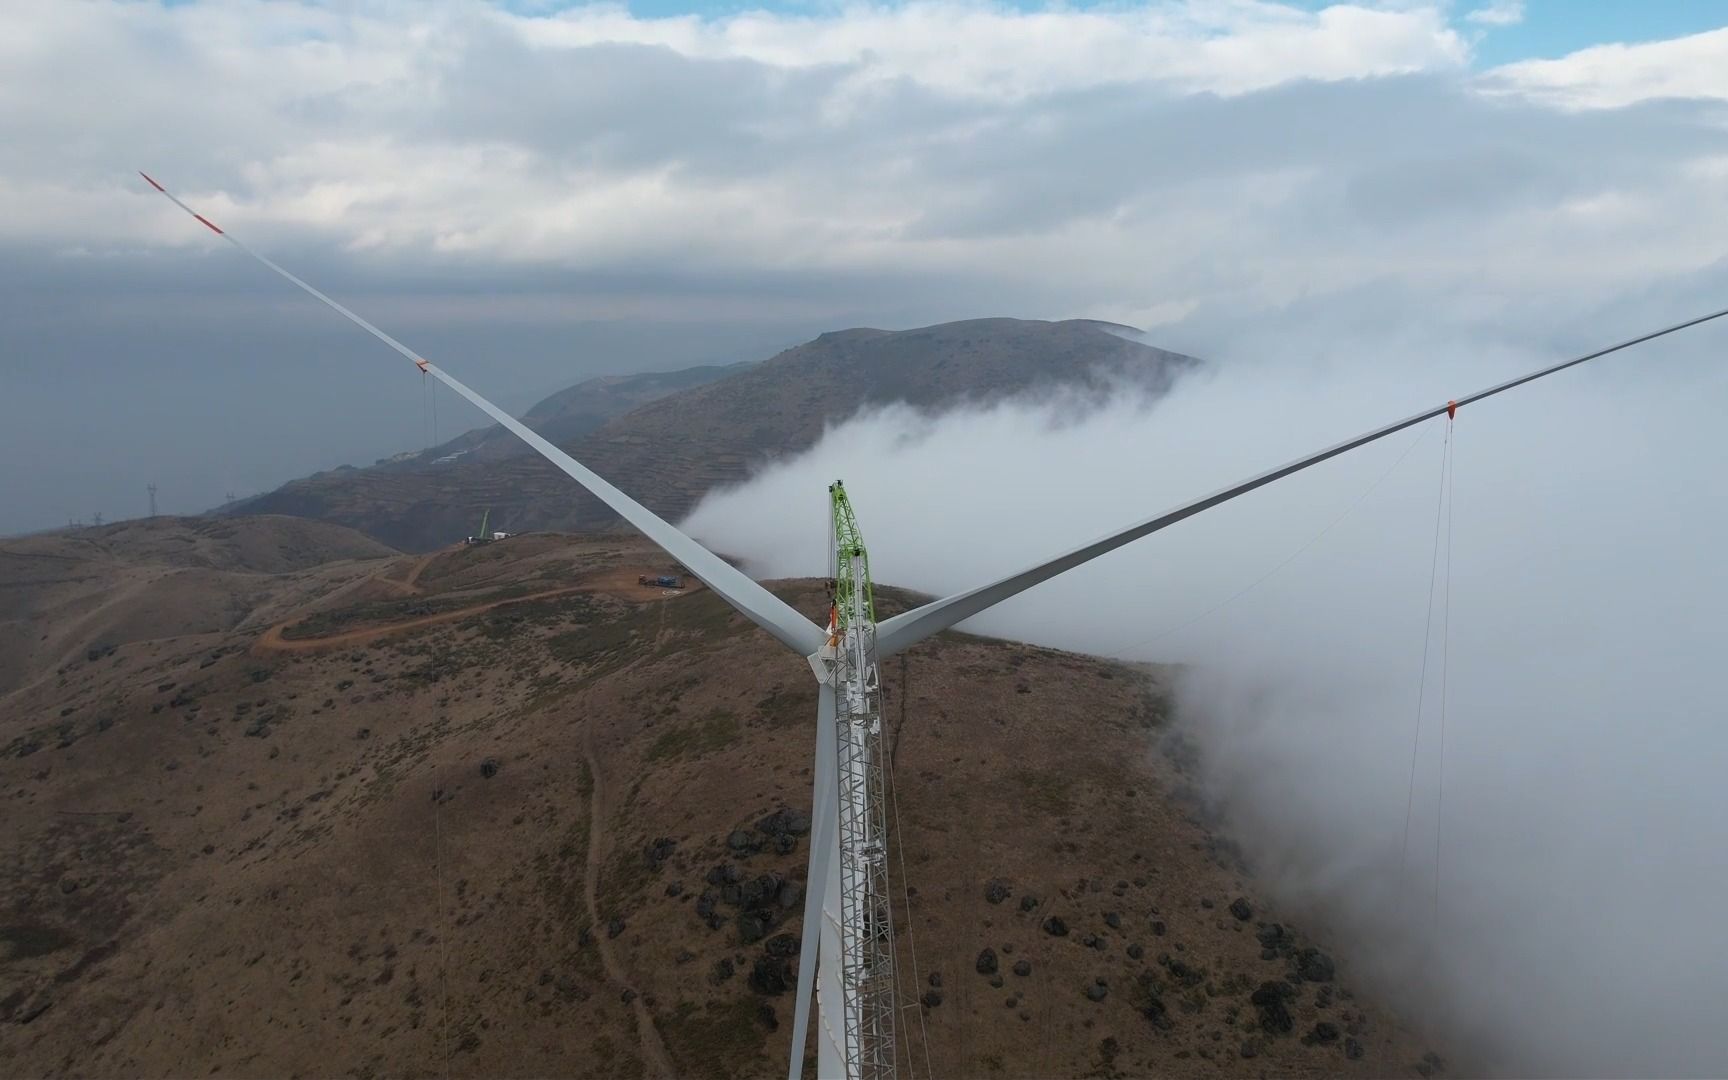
x: 152, y: 489
x: 97, y: 519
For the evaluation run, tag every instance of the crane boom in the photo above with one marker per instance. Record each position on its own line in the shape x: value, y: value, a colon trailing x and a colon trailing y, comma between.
x: 849, y: 546
x: 860, y: 878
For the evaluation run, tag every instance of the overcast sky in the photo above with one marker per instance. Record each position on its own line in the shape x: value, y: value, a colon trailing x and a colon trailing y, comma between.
x: 537, y: 192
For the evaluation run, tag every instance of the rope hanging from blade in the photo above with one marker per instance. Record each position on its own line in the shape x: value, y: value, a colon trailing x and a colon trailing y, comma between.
x: 1427, y: 640
x: 1445, y: 665
x: 1442, y: 553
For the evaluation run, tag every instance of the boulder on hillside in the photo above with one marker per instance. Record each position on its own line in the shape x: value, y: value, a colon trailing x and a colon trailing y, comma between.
x: 784, y: 822
x: 1270, y: 1001
x: 987, y: 962
x: 658, y: 851
x: 768, y: 976
x: 1312, y: 965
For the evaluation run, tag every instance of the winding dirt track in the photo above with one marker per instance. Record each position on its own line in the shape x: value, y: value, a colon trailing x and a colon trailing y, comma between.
x: 273, y: 641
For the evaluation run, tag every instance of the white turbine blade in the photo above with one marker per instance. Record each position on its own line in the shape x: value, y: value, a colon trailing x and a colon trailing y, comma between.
x: 909, y: 628
x: 734, y: 586
x: 832, y: 992
x: 824, y: 838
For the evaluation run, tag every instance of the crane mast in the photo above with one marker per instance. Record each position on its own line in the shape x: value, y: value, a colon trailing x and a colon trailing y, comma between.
x: 866, y: 920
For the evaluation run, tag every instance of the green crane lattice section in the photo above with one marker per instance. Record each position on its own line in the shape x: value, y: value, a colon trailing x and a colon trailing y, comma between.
x: 849, y: 543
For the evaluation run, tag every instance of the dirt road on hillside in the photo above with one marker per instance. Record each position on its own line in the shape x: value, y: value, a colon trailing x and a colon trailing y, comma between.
x: 654, y: 1058
x: 273, y: 641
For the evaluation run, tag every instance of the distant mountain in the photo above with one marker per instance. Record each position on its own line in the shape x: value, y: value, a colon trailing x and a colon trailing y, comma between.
x: 670, y: 449
x: 565, y: 416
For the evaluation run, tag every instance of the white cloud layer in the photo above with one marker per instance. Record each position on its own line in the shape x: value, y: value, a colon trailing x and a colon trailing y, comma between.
x: 922, y: 133
x: 1616, y: 75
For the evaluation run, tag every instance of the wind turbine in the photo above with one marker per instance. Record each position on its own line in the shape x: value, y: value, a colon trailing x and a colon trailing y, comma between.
x: 847, y: 950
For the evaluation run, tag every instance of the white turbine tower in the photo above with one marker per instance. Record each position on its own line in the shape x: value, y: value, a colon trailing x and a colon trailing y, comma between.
x: 847, y: 953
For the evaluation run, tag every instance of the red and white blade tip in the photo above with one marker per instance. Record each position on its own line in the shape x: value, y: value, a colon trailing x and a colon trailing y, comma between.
x: 202, y: 220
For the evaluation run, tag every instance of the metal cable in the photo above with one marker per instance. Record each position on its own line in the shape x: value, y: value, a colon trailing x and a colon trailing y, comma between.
x: 1445, y: 665
x: 1427, y: 632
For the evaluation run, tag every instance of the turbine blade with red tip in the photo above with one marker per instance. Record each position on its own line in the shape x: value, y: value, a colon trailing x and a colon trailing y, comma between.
x: 734, y: 586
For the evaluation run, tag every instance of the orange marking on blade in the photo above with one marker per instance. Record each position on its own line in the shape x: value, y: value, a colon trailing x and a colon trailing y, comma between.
x: 208, y: 223
x: 153, y: 183
x: 421, y: 364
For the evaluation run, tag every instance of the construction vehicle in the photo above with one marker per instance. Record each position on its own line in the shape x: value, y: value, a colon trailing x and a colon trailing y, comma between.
x: 484, y: 537
x: 661, y: 581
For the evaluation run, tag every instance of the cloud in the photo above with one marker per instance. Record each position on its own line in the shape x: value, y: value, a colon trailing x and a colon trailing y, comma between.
x: 1573, y: 635
x: 1613, y: 76
x: 459, y: 128
x: 949, y: 137
x: 1002, y: 53
x: 1498, y: 13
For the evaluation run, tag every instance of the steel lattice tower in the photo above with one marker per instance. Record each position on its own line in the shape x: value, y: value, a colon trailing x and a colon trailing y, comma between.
x: 866, y: 919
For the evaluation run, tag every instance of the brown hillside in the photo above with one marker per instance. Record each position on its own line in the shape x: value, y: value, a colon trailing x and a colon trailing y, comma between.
x: 670, y: 451
x: 442, y: 827
x: 66, y: 594
x: 562, y: 417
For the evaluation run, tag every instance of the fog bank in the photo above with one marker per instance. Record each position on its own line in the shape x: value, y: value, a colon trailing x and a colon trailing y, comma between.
x: 1576, y: 925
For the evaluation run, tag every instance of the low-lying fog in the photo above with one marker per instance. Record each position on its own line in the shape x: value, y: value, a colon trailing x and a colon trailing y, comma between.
x: 1561, y: 909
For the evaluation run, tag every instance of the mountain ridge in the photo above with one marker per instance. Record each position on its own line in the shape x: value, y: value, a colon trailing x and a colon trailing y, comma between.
x: 671, y: 449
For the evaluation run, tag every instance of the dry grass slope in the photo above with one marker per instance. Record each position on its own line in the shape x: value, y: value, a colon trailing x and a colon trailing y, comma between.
x: 563, y: 837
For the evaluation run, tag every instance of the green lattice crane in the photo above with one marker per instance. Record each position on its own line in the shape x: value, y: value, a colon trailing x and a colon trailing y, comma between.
x: 851, y: 562
x: 857, y: 923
